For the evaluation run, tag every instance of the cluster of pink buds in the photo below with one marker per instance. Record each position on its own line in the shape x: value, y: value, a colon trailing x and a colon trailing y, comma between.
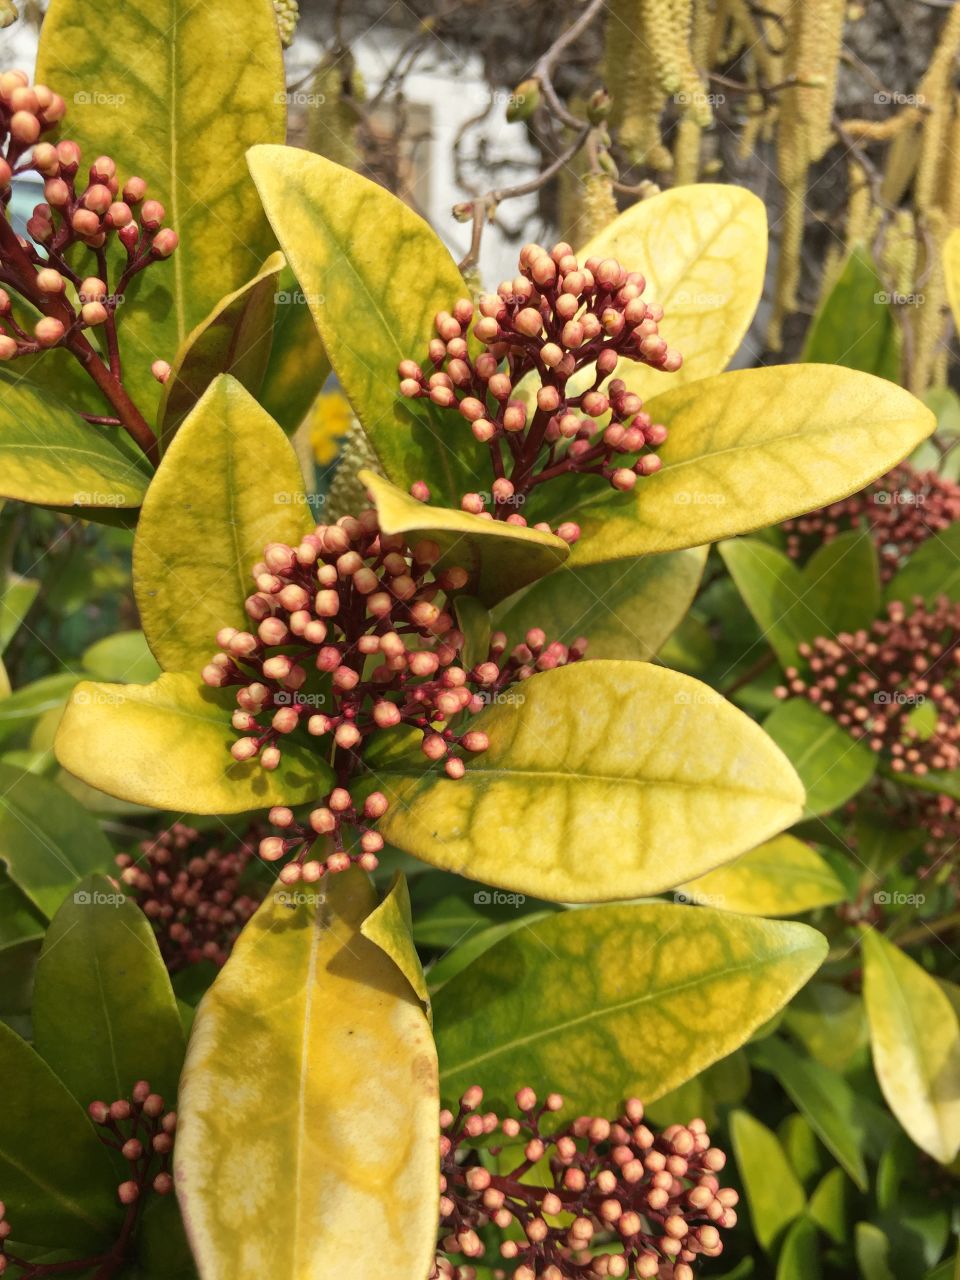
x: 896, y: 686
x: 554, y: 320
x: 900, y: 510
x: 355, y: 633
x: 655, y: 1197
x: 88, y: 213
x: 189, y: 888
x: 142, y: 1130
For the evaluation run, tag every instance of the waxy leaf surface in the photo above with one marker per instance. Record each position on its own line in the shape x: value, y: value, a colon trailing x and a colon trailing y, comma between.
x: 782, y: 877
x: 773, y: 1192
x: 602, y: 780
x: 615, y: 1000
x: 337, y: 1080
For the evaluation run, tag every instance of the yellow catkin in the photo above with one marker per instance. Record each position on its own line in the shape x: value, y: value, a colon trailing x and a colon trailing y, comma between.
x: 665, y: 41
x: 877, y: 130
x: 698, y: 114
x: 927, y: 124
x: 598, y: 206
x: 899, y: 252
x: 346, y: 494
x: 930, y: 305
x: 948, y: 198
x: 859, y: 206
x: 804, y: 132
x: 332, y: 126
x: 632, y: 77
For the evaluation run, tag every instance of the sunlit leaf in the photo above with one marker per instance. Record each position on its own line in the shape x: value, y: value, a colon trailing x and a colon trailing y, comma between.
x: 501, y: 558
x: 298, y: 365
x: 915, y: 1040
x: 782, y: 877
x: 229, y: 484
x: 600, y: 781
x: 15, y: 601
x: 390, y: 926
x: 167, y: 745
x: 775, y: 1197
x: 337, y: 1053
x: 124, y: 656
x: 374, y: 275
x: 208, y: 84
x: 800, y: 1256
x: 660, y: 992
x: 855, y: 325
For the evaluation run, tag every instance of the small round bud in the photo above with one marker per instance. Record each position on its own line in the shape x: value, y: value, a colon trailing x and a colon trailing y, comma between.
x: 128, y: 1192
x: 50, y: 281
x: 152, y: 213
x: 161, y: 370
x: 48, y: 331
x: 164, y: 242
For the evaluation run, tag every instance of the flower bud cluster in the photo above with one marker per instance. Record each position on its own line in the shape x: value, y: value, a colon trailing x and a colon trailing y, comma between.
x: 554, y: 320
x: 353, y: 632
x: 654, y: 1196
x: 142, y: 1130
x: 896, y: 686
x: 92, y: 212
x: 900, y: 511
x: 189, y: 889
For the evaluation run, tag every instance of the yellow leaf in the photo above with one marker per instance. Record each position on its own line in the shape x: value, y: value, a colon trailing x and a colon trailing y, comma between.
x: 307, y: 1144
x: 703, y: 250
x: 916, y: 1046
x: 749, y: 449
x: 782, y: 877
x: 501, y: 557
x: 390, y: 927
x: 167, y: 745
x: 602, y: 780
x: 951, y: 263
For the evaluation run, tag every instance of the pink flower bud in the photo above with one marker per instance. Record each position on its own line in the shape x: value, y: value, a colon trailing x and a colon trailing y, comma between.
x: 160, y: 370
x: 50, y: 281
x: 244, y: 749
x: 152, y: 213
x: 375, y: 805
x: 85, y: 222
x: 128, y: 1192
x: 48, y: 331
x: 94, y: 313
x: 164, y: 242
x: 8, y: 348
x: 24, y: 127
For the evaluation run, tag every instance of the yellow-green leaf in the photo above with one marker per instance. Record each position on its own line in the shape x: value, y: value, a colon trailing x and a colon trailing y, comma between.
x: 374, y: 275
x: 916, y: 1046
x: 626, y: 608
x: 774, y: 1195
x: 390, y: 926
x: 229, y: 484
x: 703, y: 250
x: 500, y: 557
x: 832, y: 765
x: 176, y: 94
x: 298, y: 365
x: 749, y: 449
x: 167, y: 745
x: 615, y: 1000
x: 313, y: 1152
x: 602, y: 780
x: 234, y: 338
x: 782, y: 877
x: 49, y: 455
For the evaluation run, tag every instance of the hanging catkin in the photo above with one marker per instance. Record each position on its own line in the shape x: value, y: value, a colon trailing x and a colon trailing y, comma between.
x: 598, y: 206
x: 332, y: 126
x: 631, y: 77
x: 698, y: 115
x: 930, y: 306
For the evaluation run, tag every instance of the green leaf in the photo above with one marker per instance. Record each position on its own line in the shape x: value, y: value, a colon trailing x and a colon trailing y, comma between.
x: 209, y: 84
x: 20, y: 709
x: 703, y: 250
x: 124, y: 657
x: 749, y: 449
x: 49, y: 455
x: 599, y: 782
x: 832, y: 765
x: 501, y: 558
x: 627, y: 608
x: 229, y: 484
x: 18, y: 966
x: 447, y: 908
x: 842, y: 583
x: 873, y: 1252
x: 775, y: 1197
x: 47, y: 840
x: 829, y: 1022
x: 773, y: 589
x: 374, y: 275
x: 104, y: 1014
x: 15, y: 601
x: 933, y: 570
x: 390, y: 926
x: 473, y: 945
x: 800, y: 1256
x: 831, y: 1205
x: 616, y: 1000
x: 825, y: 1098
x: 804, y: 1149
x: 782, y: 877
x: 167, y: 745
x: 298, y: 365
x: 337, y: 1050
x: 473, y: 619
x: 234, y: 338
x: 19, y: 918
x: 915, y: 1040
x: 855, y: 325
x: 57, y: 1178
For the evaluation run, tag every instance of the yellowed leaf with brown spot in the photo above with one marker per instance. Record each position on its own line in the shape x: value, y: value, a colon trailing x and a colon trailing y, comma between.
x: 307, y: 1145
